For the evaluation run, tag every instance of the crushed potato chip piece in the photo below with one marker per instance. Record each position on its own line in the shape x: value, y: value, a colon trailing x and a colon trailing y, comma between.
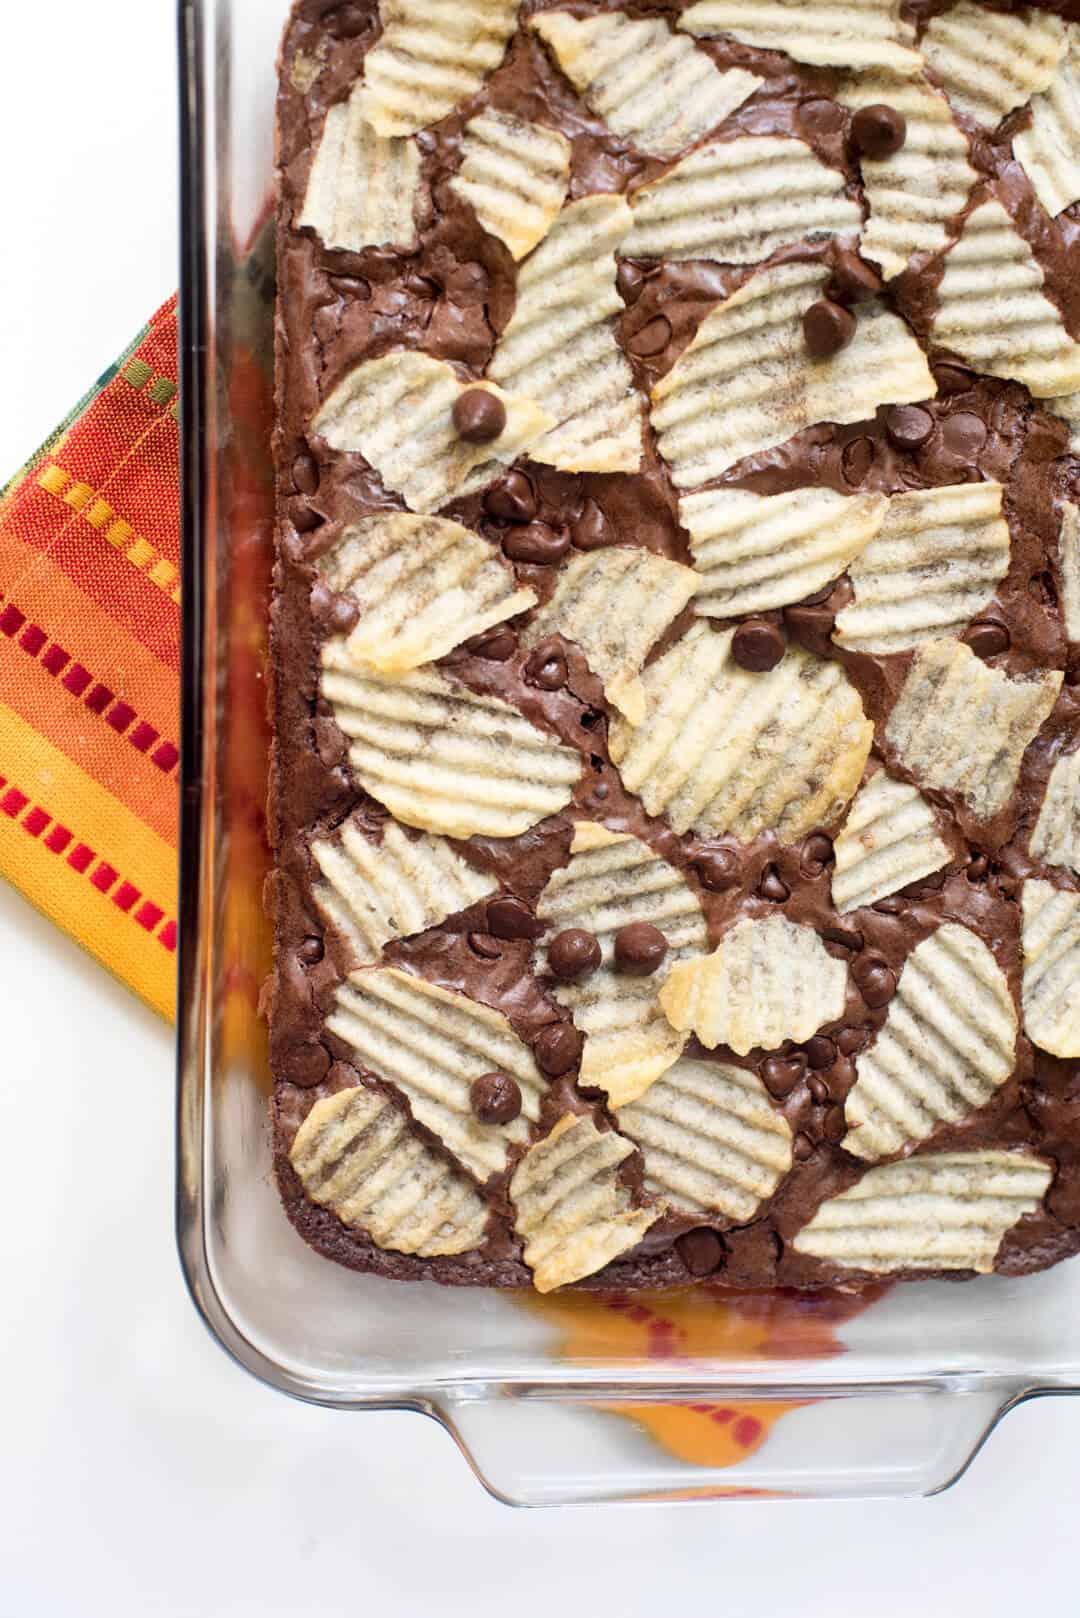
x: 948, y: 1044
x: 963, y: 727
x: 375, y: 892
x: 614, y: 603
x: 1067, y: 406
x: 442, y: 758
x: 1056, y: 838
x: 560, y: 346
x: 612, y: 880
x: 993, y: 312
x: 363, y: 187
x: 514, y: 176
x: 890, y: 838
x: 945, y: 1211
x: 430, y: 57
x: 711, y: 1140
x: 766, y: 981
x: 725, y: 751
x: 1069, y: 567
x: 914, y: 193
x: 356, y: 1155
x: 1051, y: 984
x: 432, y: 1044
x: 396, y: 412
x: 737, y: 201
x: 991, y: 61
x: 1049, y: 150
x: 649, y: 85
x: 422, y: 585
x: 746, y: 382
x: 936, y: 560
x: 572, y: 1209
x: 753, y: 552
x: 826, y: 33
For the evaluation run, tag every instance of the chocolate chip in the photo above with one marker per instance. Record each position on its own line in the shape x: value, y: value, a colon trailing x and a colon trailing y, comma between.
x: 802, y: 1148
x: 305, y: 475
x: 834, y: 1125
x: 558, y: 1049
x: 856, y: 459
x: 820, y: 1052
x: 952, y: 378
x: 843, y: 1075
x: 512, y: 499
x: 878, y: 130
x: 349, y: 21
x: 702, y: 1251
x: 758, y: 645
x: 306, y: 1065
x: 851, y: 1040
x: 495, y: 645
x: 422, y: 286
x: 478, y: 415
x: 717, y: 869
x: 651, y: 339
x: 485, y: 946
x: 639, y: 949
x: 987, y: 638
x: 573, y: 953
x: 591, y: 531
x: 508, y: 917
x: 977, y: 868
x: 817, y: 853
x: 495, y: 1098
x: 772, y: 886
x: 629, y: 280
x: 819, y: 1091
x: 304, y: 519
x: 875, y: 980
x: 963, y: 434
x: 820, y: 116
x: 845, y: 937
x: 780, y: 1074
x: 536, y: 543
x: 546, y: 667
x: 853, y: 280
x: 908, y: 426
x: 827, y: 328
x: 310, y: 952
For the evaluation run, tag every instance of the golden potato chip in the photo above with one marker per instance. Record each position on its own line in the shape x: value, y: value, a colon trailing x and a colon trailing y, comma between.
x: 1069, y: 568
x: 1049, y: 151
x: 442, y: 758
x: 753, y: 552
x: 422, y: 585
x: 560, y: 347
x: 766, y: 981
x: 614, y: 603
x: 737, y: 201
x: 375, y: 892
x: 649, y: 85
x: 514, y: 176
x: 430, y: 57
x: 1056, y: 838
x: 747, y: 382
x: 712, y: 1141
x: 944, y: 1211
x: 432, y: 1044
x: 363, y: 187
x: 992, y: 61
x: 725, y: 751
x: 890, y: 838
x: 356, y: 1155
x: 572, y: 1209
x: 948, y: 1043
x: 825, y: 33
x: 914, y: 193
x: 963, y: 727
x: 937, y: 559
x: 993, y: 312
x: 396, y: 412
x: 1051, y: 987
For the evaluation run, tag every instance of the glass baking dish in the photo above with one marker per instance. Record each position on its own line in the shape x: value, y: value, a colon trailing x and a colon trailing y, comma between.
x: 572, y: 1398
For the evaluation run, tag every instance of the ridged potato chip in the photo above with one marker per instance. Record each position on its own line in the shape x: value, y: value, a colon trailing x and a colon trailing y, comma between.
x: 712, y: 1141
x: 944, y: 1211
x: 725, y: 751
x: 432, y: 1044
x: 747, y: 382
x: 376, y: 892
x: 963, y: 727
x: 913, y: 193
x: 948, y: 1043
x: 767, y: 981
x: 560, y: 346
x: 612, y: 880
x: 430, y: 57
x: 442, y: 758
x: 572, y: 1209
x: 1051, y: 987
x: 422, y: 585
x: 993, y: 312
x: 396, y: 412
x: 1049, y: 150
x: 614, y: 604
x: 992, y: 61
x: 890, y: 838
x: 738, y: 200
x: 825, y: 33
x: 363, y: 187
x: 753, y: 552
x: 937, y: 558
x: 514, y: 176
x: 1069, y: 552
x: 1056, y: 838
x: 356, y: 1155
x: 651, y: 86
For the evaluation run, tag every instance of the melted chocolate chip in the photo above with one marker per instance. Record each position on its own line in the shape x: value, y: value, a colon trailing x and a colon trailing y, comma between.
x: 952, y: 378
x: 702, y: 1250
x: 485, y: 946
x: 827, y: 328
x: 717, y: 868
x: 558, y: 1049
x: 758, y: 645
x: 820, y: 1052
x: 987, y: 638
x: 856, y: 460
x: 819, y: 1091
x: 573, y: 953
x: 338, y: 613
x: 310, y: 952
x: 508, y: 917
x: 851, y: 1040
x: 512, y: 499
x: 780, y: 1074
x: 629, y: 280
x: 495, y: 1098
x: 963, y: 434
x: 305, y: 1065
x: 305, y: 475
x: 591, y: 531
x: 817, y: 853
x: 536, y: 543
x: 772, y: 886
x: 853, y: 280
x: 845, y: 937
x: 639, y: 949
x: 802, y: 1148
x: 349, y: 21
x: 834, y: 1125
x: 546, y: 668
x: 479, y: 416
x: 875, y: 980
x: 650, y: 339
x: 878, y: 131
x: 495, y: 645
x: 908, y: 426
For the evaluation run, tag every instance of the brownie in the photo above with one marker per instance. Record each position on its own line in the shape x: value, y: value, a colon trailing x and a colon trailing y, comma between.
x: 451, y: 294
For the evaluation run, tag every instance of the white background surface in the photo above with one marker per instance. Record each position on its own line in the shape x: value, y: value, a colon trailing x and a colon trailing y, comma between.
x: 139, y: 1471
